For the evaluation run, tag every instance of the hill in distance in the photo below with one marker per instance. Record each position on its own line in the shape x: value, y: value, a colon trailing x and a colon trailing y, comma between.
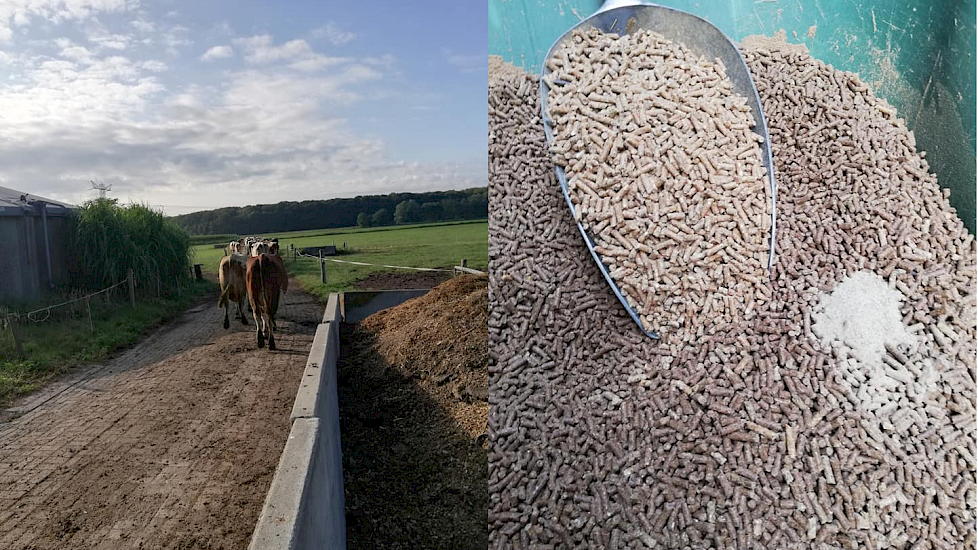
x: 363, y: 211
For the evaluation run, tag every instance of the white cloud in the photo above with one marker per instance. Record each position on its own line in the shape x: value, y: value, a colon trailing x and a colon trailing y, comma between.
x: 22, y: 12
x: 154, y: 66
x: 465, y: 63
x: 334, y: 34
x: 175, y: 38
x: 217, y: 52
x: 385, y: 60
x: 260, y: 49
x: 77, y: 53
x: 113, y: 107
x: 143, y: 25
x: 317, y: 63
x: 267, y: 128
x: 98, y: 35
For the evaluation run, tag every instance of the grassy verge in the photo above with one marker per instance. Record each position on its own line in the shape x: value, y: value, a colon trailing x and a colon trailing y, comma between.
x: 52, y: 348
x: 437, y: 246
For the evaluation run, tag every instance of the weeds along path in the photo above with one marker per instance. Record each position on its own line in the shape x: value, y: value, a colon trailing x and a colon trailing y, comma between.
x: 172, y: 444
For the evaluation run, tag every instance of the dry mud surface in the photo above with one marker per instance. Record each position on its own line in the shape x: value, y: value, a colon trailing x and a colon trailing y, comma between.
x: 172, y: 444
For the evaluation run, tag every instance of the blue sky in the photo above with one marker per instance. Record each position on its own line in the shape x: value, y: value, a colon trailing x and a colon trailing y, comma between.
x: 195, y: 105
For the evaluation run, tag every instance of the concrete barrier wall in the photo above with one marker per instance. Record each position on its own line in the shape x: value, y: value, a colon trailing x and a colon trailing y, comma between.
x: 281, y: 516
x: 304, y: 507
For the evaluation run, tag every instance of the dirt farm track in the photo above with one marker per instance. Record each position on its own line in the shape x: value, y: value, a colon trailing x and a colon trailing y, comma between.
x: 172, y: 444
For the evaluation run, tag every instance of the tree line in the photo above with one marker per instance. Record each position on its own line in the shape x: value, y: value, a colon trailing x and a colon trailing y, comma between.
x: 364, y: 211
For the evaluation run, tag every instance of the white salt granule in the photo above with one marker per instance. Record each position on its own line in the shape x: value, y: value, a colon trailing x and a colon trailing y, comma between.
x: 863, y: 313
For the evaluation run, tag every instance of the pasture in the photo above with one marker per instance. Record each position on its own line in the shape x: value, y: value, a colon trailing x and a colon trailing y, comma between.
x: 431, y: 245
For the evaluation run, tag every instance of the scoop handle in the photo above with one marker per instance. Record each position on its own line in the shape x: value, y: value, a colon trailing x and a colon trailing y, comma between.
x: 612, y: 4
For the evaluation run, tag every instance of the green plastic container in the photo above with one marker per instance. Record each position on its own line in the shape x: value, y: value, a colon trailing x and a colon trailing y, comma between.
x: 918, y: 54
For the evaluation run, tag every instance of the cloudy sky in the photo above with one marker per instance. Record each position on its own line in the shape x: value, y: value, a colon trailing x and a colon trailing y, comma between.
x: 193, y: 105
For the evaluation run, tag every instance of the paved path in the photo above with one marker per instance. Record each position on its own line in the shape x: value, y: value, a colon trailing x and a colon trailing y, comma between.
x: 172, y: 444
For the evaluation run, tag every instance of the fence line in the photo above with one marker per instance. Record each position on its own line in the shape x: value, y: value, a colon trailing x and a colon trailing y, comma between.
x: 30, y: 314
x: 374, y: 265
x: 11, y: 320
x: 465, y: 269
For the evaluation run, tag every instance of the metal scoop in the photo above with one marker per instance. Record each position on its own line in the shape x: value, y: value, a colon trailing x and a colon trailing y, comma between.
x: 700, y: 37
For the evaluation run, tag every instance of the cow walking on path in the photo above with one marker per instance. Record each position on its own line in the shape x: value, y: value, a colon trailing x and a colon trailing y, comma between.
x: 233, y: 286
x: 266, y: 278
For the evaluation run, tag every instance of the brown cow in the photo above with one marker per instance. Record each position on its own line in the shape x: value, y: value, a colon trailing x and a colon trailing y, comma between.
x: 270, y: 248
x: 233, y: 287
x: 265, y: 277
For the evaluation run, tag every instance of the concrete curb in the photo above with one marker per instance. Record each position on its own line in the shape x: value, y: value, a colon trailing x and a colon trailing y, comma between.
x: 278, y: 523
x: 307, y: 397
x: 333, y: 311
x: 304, y: 508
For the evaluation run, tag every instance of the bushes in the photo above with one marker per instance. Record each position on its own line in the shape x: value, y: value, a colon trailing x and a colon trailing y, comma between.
x: 111, y: 239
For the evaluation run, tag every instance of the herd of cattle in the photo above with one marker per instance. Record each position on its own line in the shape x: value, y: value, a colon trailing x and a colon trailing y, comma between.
x: 253, y: 269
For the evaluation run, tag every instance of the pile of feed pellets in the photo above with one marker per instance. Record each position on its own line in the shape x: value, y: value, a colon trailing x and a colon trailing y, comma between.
x: 665, y: 174
x: 840, y: 415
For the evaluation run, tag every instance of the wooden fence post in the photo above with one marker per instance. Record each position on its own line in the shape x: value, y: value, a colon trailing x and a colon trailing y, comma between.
x: 88, y: 304
x: 15, y: 331
x: 322, y: 267
x: 132, y: 289
x: 465, y: 263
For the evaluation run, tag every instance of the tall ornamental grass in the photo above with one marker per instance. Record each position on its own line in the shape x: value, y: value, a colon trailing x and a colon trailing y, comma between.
x: 113, y: 238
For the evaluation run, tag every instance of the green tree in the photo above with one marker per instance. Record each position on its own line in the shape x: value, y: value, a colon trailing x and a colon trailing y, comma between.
x: 407, y: 211
x: 449, y: 208
x: 363, y: 220
x: 381, y: 217
x: 431, y: 212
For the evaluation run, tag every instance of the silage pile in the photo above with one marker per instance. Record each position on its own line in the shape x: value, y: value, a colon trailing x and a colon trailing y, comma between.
x: 440, y: 339
x: 760, y: 435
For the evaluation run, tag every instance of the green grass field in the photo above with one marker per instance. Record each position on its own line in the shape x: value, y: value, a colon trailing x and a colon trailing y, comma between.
x: 430, y: 245
x: 224, y: 238
x: 53, y: 347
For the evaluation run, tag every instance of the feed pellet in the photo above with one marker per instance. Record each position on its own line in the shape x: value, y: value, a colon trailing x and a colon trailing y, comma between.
x: 666, y: 175
x: 760, y: 435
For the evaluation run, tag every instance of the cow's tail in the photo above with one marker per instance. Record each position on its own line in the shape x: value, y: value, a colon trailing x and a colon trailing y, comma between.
x: 266, y: 266
x: 261, y: 282
x: 223, y: 302
x: 225, y: 277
